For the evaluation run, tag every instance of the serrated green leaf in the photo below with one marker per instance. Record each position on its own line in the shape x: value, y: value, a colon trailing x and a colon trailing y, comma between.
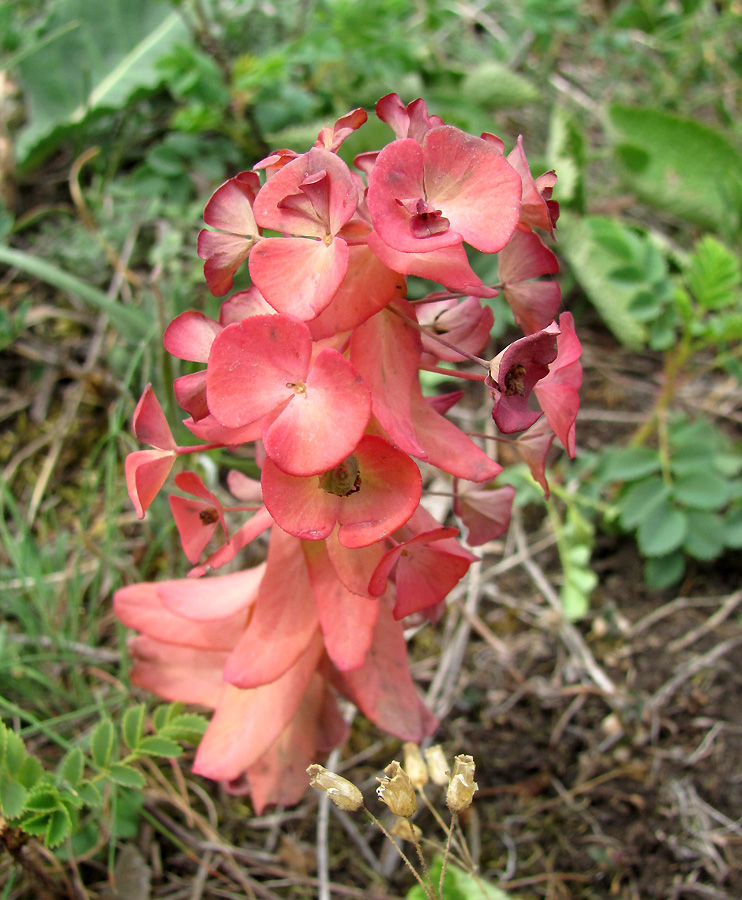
x: 91, y: 794
x: 159, y: 746
x: 677, y: 164
x: 713, y: 274
x: 706, y: 535
x: 12, y: 798
x: 15, y: 753
x: 72, y: 767
x: 126, y: 776
x: 43, y: 799
x: 59, y: 826
x: 101, y: 743
x: 629, y: 463
x: 30, y: 771
x: 701, y: 490
x: 662, y: 571
x: 3, y: 741
x: 185, y: 727
x: 566, y: 154
x: 662, y: 530
x: 639, y: 500
x: 132, y: 725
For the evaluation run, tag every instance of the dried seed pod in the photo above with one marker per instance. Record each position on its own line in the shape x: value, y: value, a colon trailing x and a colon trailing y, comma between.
x: 437, y: 766
x: 343, y: 793
x: 414, y: 765
x: 405, y: 830
x: 462, y: 786
x: 395, y: 789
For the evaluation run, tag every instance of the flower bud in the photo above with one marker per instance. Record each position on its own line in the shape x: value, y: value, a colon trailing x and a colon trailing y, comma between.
x: 395, y: 789
x: 343, y: 793
x: 462, y: 786
x: 440, y: 773
x: 414, y: 765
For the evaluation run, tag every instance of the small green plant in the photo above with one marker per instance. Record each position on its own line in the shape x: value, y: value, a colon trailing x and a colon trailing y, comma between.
x: 49, y: 805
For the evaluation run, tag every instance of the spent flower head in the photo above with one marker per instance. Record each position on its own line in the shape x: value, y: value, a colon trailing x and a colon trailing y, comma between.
x: 396, y: 790
x: 343, y: 793
x: 462, y: 786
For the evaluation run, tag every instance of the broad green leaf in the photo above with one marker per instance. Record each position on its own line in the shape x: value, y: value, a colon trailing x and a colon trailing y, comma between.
x: 102, y: 55
x: 91, y: 794
x: 43, y: 799
x: 15, y: 753
x: 713, y: 274
x: 691, y: 457
x: 3, y: 741
x: 640, y: 498
x: 159, y: 746
x: 583, y: 243
x: 629, y: 463
x: 126, y: 776
x: 706, y: 535
x: 662, y: 571
x: 12, y: 798
x: 678, y: 165
x: 132, y: 725
x: 101, y: 743
x: 459, y: 885
x: 701, y: 490
x: 662, y: 530
x: 72, y: 767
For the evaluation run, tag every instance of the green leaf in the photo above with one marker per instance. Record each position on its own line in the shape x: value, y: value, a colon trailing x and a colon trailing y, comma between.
x: 43, y: 799
x: 677, y: 165
x: 72, y: 767
x: 701, y: 490
x: 459, y: 885
x: 662, y: 530
x: 126, y: 776
x: 101, y: 743
x: 733, y: 528
x: 662, y: 571
x: 91, y: 794
x: 185, y: 727
x: 706, y: 535
x: 494, y: 85
x: 639, y: 499
x: 15, y: 753
x: 159, y: 746
x: 108, y: 52
x: 12, y: 798
x: 58, y: 827
x: 629, y: 463
x: 566, y: 154
x: 713, y: 274
x: 132, y: 725
x: 584, y: 244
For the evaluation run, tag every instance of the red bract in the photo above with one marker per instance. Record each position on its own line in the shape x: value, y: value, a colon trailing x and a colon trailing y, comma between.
x: 452, y: 187
x: 513, y: 374
x: 486, y: 514
x: 369, y: 494
x: 558, y: 393
x: 313, y: 196
x: 466, y: 324
x: 534, y: 303
x: 147, y: 470
x: 312, y: 415
x: 538, y: 210
x: 196, y: 520
x: 224, y: 251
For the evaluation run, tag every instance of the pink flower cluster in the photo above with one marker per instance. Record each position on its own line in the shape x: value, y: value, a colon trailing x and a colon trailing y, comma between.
x: 313, y: 374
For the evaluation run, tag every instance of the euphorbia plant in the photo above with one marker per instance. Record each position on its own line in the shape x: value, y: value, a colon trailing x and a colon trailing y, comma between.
x: 314, y: 372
